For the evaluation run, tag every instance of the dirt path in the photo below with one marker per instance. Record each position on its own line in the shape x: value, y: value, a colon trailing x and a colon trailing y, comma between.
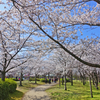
x: 38, y: 93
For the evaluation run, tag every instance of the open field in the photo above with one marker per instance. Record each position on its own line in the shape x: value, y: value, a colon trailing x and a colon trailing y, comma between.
x: 75, y: 92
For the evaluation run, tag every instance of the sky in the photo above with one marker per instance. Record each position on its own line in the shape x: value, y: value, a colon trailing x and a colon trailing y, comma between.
x: 93, y: 32
x: 90, y: 31
x: 2, y: 5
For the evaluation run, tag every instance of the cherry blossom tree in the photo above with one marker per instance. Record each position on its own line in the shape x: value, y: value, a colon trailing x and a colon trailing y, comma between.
x: 64, y: 63
x: 57, y: 20
x: 60, y: 20
x: 10, y: 49
x: 14, y: 45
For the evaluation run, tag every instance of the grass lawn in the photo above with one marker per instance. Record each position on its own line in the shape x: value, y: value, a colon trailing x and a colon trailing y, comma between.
x: 75, y: 92
x: 21, y: 90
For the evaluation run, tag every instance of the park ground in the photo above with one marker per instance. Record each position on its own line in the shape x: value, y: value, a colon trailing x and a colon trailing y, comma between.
x: 21, y: 90
x: 75, y: 92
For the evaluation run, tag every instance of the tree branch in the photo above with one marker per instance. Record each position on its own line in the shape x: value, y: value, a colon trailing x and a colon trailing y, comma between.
x: 18, y: 50
x: 64, y: 48
x: 0, y: 71
x: 98, y: 1
x: 76, y: 57
x: 16, y: 66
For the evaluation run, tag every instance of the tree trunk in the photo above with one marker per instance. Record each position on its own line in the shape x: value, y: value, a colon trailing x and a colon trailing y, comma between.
x: 59, y: 81
x: 65, y: 83
x: 44, y: 75
x: 3, y: 76
x: 84, y: 78
x: 96, y: 81
x: 48, y: 75
x: 62, y: 81
x: 71, y: 78
x: 84, y: 81
x: 93, y: 81
x: 95, y: 76
x: 35, y: 79
x: 21, y: 79
x: 98, y: 77
x: 96, y: 85
x: 90, y: 87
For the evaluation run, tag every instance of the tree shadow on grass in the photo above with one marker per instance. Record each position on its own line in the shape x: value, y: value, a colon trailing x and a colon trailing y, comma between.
x: 16, y: 95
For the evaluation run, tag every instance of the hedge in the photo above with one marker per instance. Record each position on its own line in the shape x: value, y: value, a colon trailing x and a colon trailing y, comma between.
x: 33, y: 79
x: 44, y: 80
x: 67, y: 79
x: 6, y: 87
x: 4, y: 90
x: 12, y: 85
x: 16, y: 79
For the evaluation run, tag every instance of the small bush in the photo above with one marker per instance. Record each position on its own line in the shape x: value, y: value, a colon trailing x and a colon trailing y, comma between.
x: 44, y: 80
x: 38, y: 79
x: 61, y: 79
x: 15, y: 79
x: 4, y: 90
x: 33, y: 79
x: 12, y: 85
x: 67, y: 79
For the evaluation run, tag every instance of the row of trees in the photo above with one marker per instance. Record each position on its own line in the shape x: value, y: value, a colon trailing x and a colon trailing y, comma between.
x: 31, y: 29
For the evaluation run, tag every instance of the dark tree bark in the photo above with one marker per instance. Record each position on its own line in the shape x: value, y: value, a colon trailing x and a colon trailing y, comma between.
x: 93, y: 78
x: 98, y: 76
x: 62, y: 81
x: 21, y: 75
x: 48, y: 75
x: 98, y: 1
x: 65, y: 87
x: 35, y: 78
x: 90, y: 87
x: 71, y: 77
x: 44, y: 75
x: 3, y: 75
x: 82, y: 76
x: 96, y: 79
x: 59, y: 82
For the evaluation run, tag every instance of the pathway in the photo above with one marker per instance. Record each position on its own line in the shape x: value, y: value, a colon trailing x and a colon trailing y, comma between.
x: 38, y: 93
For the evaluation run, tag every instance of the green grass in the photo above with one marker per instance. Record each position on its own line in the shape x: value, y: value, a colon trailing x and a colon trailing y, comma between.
x: 75, y: 92
x: 17, y: 95
x: 21, y: 90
